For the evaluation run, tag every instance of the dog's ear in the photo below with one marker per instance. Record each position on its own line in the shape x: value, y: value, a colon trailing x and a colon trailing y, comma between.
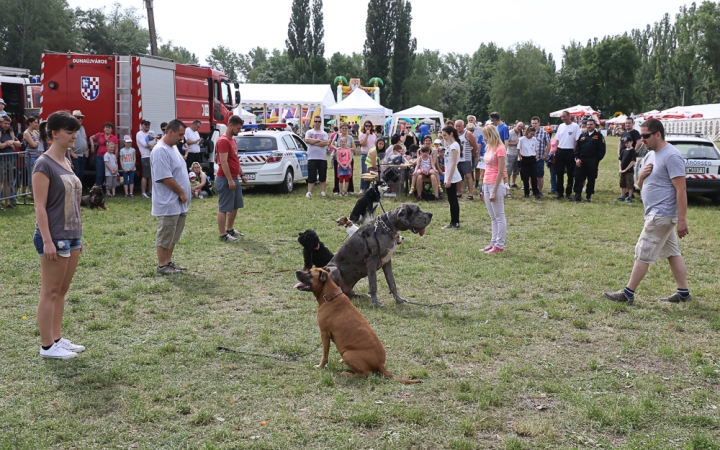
x: 300, y: 233
x: 404, y: 214
x: 323, y: 276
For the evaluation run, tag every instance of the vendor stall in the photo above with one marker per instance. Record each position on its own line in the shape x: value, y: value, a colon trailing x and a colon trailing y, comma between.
x: 416, y: 112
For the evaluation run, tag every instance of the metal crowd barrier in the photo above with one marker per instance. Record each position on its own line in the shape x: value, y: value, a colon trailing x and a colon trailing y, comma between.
x: 16, y: 178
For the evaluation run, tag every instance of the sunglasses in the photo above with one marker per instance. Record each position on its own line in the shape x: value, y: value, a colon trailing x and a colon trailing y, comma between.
x: 646, y: 135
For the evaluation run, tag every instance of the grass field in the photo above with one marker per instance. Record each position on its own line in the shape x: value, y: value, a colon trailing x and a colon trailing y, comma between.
x: 530, y: 355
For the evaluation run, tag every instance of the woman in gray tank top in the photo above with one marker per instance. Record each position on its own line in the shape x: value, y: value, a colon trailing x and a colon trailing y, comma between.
x: 58, y: 233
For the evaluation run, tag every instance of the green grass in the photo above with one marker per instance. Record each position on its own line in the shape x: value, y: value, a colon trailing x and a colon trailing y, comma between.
x: 530, y: 356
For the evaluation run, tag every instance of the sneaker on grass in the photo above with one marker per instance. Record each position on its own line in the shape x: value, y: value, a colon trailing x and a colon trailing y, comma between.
x: 228, y: 238
x: 167, y: 269
x: 67, y: 345
x: 676, y: 298
x: 235, y: 233
x: 176, y: 266
x: 309, y: 194
x: 619, y: 296
x: 57, y: 352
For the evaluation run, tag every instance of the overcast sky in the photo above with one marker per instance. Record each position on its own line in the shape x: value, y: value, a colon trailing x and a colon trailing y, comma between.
x: 446, y: 25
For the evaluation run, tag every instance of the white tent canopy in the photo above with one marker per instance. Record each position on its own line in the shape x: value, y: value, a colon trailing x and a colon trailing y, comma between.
x: 619, y: 119
x: 358, y: 104
x: 258, y: 95
x: 574, y: 111
x: 710, y: 111
x: 416, y: 112
x: 268, y: 96
x: 246, y: 116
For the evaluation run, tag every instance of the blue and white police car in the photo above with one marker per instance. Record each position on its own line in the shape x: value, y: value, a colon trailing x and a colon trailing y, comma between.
x: 270, y: 157
x: 702, y: 164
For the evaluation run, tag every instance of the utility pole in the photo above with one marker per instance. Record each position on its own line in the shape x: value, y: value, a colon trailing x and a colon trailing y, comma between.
x: 682, y: 88
x: 151, y: 27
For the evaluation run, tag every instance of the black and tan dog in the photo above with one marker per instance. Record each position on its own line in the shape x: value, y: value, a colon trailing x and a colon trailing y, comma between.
x: 372, y: 246
x: 342, y: 323
x: 367, y: 204
x: 95, y: 199
x: 314, y: 252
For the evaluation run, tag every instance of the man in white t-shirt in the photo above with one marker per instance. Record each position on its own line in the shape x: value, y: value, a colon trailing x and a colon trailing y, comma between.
x: 317, y: 142
x: 145, y: 142
x: 193, y: 139
x: 567, y: 136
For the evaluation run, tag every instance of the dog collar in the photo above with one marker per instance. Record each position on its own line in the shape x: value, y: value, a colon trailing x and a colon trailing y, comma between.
x: 339, y: 292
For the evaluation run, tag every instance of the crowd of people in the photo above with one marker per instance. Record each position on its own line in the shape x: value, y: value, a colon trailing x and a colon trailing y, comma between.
x: 480, y: 159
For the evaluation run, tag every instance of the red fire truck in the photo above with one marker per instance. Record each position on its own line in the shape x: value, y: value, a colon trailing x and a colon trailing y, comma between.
x: 125, y: 90
x: 21, y: 94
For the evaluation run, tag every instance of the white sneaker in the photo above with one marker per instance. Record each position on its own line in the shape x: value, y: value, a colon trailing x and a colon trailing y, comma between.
x: 67, y: 345
x: 309, y: 194
x: 145, y: 196
x: 361, y: 192
x: 57, y: 352
x: 323, y: 193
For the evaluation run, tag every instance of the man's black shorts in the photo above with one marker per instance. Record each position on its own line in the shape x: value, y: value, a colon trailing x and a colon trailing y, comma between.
x: 317, y: 168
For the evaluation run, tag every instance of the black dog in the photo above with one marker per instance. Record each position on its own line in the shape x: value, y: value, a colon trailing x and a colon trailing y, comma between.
x: 314, y: 252
x: 96, y: 199
x: 367, y: 204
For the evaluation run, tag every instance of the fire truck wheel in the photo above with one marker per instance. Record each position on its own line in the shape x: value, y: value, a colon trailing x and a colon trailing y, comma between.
x: 287, y: 185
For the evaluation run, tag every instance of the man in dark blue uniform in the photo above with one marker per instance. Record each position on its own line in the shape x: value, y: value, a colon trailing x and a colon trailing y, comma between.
x: 589, y: 152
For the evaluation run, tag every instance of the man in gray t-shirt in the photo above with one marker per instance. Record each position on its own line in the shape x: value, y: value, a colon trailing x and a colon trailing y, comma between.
x: 170, y: 196
x: 80, y: 147
x: 662, y: 180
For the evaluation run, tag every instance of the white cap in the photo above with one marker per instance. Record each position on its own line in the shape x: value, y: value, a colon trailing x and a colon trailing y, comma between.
x: 192, y: 174
x: 2, y: 101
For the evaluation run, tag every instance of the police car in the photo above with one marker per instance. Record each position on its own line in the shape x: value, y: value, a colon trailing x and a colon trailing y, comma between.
x: 702, y: 164
x: 272, y: 158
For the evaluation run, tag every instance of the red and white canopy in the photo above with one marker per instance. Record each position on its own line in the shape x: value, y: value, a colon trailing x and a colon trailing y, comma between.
x: 575, y: 111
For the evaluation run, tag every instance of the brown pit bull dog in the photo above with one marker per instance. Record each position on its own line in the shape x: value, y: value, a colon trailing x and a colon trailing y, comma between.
x: 342, y: 323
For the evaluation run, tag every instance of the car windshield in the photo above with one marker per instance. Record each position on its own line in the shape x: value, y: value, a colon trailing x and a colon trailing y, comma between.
x: 256, y: 143
x: 697, y: 150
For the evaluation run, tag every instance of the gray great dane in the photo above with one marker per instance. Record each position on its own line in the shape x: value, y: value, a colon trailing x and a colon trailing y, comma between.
x: 372, y: 247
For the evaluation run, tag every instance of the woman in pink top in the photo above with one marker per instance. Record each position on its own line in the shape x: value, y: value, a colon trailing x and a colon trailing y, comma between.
x: 494, y: 189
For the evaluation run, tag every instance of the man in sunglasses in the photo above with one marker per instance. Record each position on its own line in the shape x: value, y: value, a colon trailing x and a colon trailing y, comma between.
x: 662, y: 180
x: 317, y: 142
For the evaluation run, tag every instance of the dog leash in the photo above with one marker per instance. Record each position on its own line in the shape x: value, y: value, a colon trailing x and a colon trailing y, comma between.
x: 429, y: 305
x: 287, y: 359
x: 247, y: 272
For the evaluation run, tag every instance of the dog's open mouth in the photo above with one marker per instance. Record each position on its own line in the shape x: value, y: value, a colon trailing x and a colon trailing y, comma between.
x: 303, y: 287
x: 420, y: 231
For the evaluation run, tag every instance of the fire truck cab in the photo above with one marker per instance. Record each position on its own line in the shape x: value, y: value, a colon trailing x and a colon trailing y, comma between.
x: 21, y: 94
x: 125, y: 90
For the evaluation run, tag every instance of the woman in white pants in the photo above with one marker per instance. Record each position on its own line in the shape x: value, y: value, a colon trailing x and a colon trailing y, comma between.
x: 494, y: 188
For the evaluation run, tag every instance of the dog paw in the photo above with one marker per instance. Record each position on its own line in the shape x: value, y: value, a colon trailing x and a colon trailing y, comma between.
x: 377, y: 302
x: 320, y: 366
x: 400, y: 300
x: 340, y: 361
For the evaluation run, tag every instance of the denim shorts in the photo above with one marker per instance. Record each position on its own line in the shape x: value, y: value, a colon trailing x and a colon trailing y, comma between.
x: 63, y: 246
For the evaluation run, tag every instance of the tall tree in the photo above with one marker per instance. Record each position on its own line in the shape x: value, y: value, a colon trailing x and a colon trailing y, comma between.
x: 482, y: 67
x: 126, y: 35
x: 251, y: 62
x: 404, y: 46
x: 178, y: 54
x: 526, y: 74
x: 379, y: 37
x: 299, y: 31
x: 27, y: 27
x: 225, y: 60
x: 318, y: 30
x: 318, y: 64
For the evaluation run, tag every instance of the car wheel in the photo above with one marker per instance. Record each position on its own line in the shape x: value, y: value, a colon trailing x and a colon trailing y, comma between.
x: 287, y: 185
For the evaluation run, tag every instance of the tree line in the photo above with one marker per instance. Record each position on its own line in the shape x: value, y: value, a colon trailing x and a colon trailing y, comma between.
x: 674, y: 60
